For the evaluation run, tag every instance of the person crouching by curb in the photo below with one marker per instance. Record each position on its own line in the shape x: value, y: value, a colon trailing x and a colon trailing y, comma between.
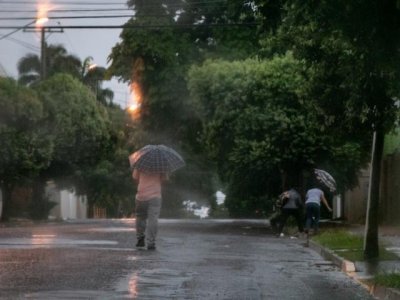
x: 292, y: 206
x: 314, y: 197
x: 148, y: 202
x: 275, y: 218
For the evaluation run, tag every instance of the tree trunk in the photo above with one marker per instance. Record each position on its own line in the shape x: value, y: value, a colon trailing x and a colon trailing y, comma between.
x: 6, y: 189
x: 40, y: 206
x: 371, y: 244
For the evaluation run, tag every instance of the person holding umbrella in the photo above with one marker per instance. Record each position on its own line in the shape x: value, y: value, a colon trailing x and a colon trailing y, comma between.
x: 151, y: 166
x: 314, y: 197
x: 147, y: 206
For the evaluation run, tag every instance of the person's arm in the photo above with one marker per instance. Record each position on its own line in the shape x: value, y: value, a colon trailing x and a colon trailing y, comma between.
x: 325, y: 202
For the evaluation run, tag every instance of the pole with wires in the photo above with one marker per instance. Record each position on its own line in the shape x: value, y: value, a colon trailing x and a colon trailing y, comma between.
x: 42, y: 54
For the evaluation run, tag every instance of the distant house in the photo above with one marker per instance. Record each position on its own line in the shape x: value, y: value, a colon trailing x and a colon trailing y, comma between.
x: 390, y: 179
x: 68, y: 204
x: 355, y: 201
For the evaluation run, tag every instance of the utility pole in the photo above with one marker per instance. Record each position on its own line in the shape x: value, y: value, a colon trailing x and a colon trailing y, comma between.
x: 43, y: 47
x: 42, y: 54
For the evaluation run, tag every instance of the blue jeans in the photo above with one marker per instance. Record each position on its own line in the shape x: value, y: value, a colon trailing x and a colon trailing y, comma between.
x: 312, y: 215
x: 147, y: 213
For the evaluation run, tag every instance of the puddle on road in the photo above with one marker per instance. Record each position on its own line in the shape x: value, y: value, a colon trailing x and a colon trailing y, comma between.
x: 156, y: 284
x: 50, y: 241
x: 82, y: 295
x: 113, y: 229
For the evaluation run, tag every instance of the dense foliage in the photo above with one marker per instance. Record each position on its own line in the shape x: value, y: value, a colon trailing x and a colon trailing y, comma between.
x: 258, y: 92
x: 25, y: 149
x: 352, y: 50
x: 262, y: 129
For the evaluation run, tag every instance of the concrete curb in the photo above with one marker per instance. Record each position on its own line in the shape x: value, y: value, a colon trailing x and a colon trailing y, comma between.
x: 345, y: 265
x: 348, y: 267
x: 385, y: 293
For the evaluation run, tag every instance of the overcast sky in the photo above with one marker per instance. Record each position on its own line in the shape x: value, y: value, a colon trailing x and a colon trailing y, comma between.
x: 80, y: 42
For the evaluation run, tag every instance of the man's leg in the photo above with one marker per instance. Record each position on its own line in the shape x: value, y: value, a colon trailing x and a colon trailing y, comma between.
x: 299, y: 219
x: 309, y: 217
x: 317, y: 214
x: 152, y: 225
x: 141, y: 219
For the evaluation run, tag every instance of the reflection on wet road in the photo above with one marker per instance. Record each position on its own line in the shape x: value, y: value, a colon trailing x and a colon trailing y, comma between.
x: 37, y: 242
x: 97, y: 259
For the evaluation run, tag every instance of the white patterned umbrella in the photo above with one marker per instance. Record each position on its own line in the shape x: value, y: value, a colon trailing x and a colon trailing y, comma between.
x: 326, y: 179
x: 156, y: 159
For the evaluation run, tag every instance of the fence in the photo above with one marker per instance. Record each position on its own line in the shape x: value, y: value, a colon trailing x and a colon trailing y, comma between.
x: 390, y: 189
x: 99, y: 213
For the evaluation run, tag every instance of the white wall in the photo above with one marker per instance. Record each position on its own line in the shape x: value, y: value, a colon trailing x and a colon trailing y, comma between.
x: 69, y: 205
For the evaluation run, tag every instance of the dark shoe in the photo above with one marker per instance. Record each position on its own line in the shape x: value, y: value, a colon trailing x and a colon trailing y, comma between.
x: 140, y: 243
x: 151, y: 247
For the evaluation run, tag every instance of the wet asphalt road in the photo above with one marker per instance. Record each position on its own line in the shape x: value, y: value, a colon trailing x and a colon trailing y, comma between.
x: 199, y: 259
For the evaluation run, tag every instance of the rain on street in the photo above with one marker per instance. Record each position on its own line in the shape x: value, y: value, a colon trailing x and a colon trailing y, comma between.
x: 195, y: 259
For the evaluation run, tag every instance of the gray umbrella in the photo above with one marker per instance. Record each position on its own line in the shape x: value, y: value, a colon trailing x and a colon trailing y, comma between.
x: 326, y: 179
x: 156, y: 159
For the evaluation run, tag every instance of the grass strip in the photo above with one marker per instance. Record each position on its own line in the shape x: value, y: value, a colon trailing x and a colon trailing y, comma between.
x: 391, y: 280
x: 348, y: 245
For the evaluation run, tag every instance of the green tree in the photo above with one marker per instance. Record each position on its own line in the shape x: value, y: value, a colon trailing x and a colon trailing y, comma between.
x: 25, y: 149
x: 59, y: 61
x: 78, y: 128
x: 250, y: 113
x: 352, y: 50
x: 156, y: 53
x: 109, y: 183
x: 261, y: 129
x: 93, y: 76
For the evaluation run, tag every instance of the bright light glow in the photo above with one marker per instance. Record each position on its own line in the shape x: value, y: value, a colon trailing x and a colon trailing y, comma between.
x: 42, y: 239
x: 41, y: 21
x: 220, y: 197
x: 196, y: 209
x: 42, y: 13
x: 133, y: 289
x: 92, y: 66
x: 135, y: 101
x: 133, y: 107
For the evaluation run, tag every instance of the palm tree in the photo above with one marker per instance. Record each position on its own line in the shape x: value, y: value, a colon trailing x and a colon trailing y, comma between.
x: 93, y: 76
x: 57, y: 60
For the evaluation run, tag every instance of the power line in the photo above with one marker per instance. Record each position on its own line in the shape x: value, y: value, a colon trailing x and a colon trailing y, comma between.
x: 24, y: 44
x: 203, y: 6
x: 135, y: 26
x: 118, y: 3
x: 16, y: 29
x: 97, y: 16
x: 65, y: 10
x: 67, y: 3
x: 71, y: 17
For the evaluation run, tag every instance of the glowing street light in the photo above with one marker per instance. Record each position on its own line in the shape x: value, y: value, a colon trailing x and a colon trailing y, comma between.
x: 135, y: 101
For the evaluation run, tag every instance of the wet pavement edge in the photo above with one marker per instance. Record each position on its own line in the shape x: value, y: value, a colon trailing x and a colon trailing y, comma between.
x: 348, y: 267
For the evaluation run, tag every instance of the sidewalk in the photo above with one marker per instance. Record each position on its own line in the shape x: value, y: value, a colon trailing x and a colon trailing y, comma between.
x: 363, y: 271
